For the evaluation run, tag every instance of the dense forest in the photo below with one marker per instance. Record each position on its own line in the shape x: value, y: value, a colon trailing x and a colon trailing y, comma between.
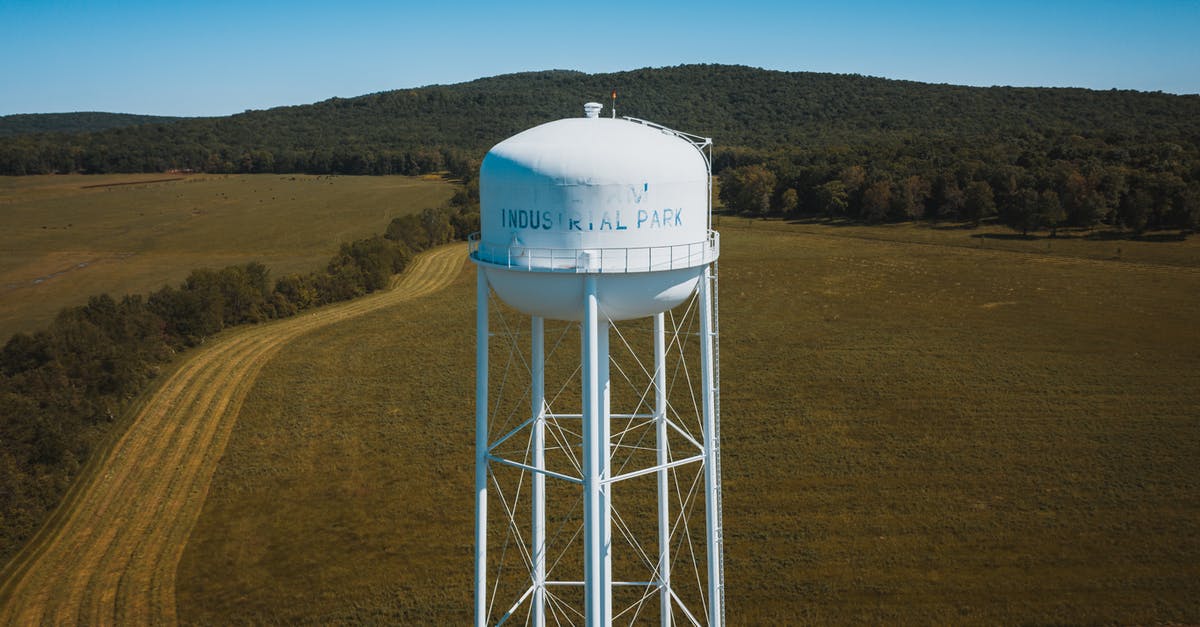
x: 1071, y: 181
x: 789, y: 143
x: 62, y: 388
x: 79, y: 122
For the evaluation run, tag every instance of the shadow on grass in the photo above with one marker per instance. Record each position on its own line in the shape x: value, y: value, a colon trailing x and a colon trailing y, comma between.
x: 933, y: 226
x: 817, y: 220
x: 1008, y: 237
x: 836, y: 222
x: 956, y: 226
x: 747, y: 221
x: 1107, y: 236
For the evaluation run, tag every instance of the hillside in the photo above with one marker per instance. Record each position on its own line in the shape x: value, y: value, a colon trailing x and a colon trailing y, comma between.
x: 414, y: 130
x: 78, y: 122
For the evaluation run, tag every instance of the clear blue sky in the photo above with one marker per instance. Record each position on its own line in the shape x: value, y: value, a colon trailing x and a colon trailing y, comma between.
x: 217, y: 57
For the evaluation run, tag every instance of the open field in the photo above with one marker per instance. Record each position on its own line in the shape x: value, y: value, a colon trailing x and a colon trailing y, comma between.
x: 1101, y: 243
x: 68, y: 237
x: 109, y: 555
x: 917, y: 429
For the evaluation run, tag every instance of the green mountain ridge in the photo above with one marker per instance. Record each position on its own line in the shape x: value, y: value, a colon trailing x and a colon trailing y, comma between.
x: 75, y: 122
x: 442, y: 127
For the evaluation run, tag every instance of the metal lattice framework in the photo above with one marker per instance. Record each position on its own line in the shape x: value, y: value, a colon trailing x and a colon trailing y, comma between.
x: 598, y: 466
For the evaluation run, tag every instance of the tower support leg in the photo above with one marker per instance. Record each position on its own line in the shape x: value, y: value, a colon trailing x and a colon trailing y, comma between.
x: 538, y: 515
x: 712, y: 456
x: 481, y: 445
x: 596, y: 506
x: 663, y: 457
x: 606, y: 537
x: 593, y: 595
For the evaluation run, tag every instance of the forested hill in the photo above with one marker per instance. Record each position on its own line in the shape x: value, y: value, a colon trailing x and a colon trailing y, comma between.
x: 414, y: 130
x: 78, y: 122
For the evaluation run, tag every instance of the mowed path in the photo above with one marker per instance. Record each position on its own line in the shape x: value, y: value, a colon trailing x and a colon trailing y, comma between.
x: 111, y: 553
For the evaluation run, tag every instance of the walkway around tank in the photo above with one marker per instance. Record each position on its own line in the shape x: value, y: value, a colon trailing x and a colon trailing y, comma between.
x: 110, y: 553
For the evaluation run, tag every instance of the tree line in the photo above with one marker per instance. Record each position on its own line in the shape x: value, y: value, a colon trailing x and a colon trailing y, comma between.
x: 789, y: 143
x: 61, y: 388
x: 1064, y: 180
x: 410, y: 131
x: 78, y: 122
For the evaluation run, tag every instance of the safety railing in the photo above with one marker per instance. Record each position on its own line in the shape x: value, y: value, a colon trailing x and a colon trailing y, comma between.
x: 597, y: 260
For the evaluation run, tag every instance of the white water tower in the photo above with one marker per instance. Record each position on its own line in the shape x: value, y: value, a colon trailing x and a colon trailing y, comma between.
x: 598, y: 225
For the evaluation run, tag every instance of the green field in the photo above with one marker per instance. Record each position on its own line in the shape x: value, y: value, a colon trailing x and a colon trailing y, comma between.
x: 68, y: 237
x: 920, y: 426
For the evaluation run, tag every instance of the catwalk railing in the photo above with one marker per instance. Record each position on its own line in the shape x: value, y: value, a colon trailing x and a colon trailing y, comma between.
x: 597, y: 260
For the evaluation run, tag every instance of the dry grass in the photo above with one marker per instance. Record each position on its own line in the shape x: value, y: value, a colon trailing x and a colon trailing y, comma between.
x: 111, y: 552
x: 69, y: 237
x: 343, y: 480
x: 914, y: 431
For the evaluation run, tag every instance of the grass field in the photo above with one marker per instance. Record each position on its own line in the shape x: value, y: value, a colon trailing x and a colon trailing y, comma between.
x: 920, y: 426
x: 109, y: 555
x: 68, y: 237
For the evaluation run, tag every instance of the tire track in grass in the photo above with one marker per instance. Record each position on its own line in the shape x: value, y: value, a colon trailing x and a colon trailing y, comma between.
x: 96, y: 590
x: 128, y: 584
x: 91, y: 521
x: 110, y: 553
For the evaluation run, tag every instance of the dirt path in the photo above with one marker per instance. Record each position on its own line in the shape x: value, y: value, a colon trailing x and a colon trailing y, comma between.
x: 145, y: 182
x: 110, y: 553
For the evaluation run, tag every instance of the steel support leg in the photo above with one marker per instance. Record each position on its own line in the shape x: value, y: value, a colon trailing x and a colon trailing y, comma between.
x: 712, y: 457
x: 537, y: 390
x: 481, y: 445
x: 664, y: 493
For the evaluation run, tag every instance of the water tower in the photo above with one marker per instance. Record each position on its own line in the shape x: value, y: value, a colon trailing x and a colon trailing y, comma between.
x: 601, y: 227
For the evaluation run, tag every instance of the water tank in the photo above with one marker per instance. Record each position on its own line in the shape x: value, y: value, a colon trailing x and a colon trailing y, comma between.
x: 619, y: 198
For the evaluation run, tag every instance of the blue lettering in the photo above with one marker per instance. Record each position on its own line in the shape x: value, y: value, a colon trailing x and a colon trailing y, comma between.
x: 546, y: 220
